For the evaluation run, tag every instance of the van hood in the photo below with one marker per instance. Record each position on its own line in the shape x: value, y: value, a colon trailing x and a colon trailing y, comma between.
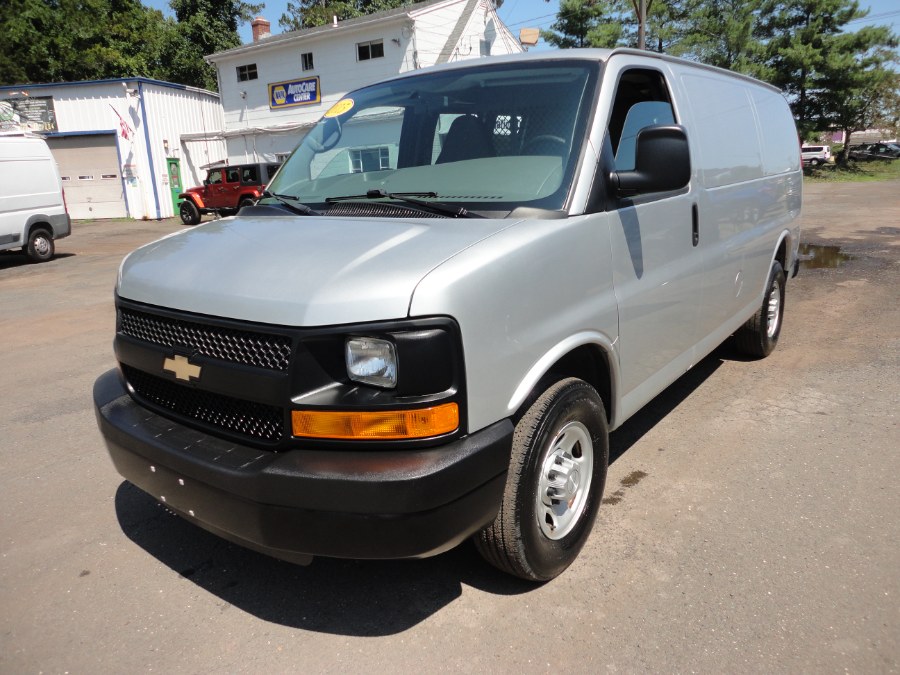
x: 297, y: 271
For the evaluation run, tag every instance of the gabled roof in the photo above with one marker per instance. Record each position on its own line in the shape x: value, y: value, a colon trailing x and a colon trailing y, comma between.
x: 406, y: 11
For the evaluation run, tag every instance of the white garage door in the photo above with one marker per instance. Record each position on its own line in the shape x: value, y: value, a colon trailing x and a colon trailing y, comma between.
x: 89, y: 166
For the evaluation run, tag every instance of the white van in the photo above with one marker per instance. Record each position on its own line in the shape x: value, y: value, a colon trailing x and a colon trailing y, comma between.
x: 478, y: 270
x: 32, y: 205
x: 815, y: 154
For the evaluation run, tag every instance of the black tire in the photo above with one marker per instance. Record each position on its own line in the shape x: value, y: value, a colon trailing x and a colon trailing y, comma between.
x: 246, y: 201
x: 814, y: 162
x: 189, y: 213
x: 40, y: 246
x: 759, y: 336
x: 517, y: 542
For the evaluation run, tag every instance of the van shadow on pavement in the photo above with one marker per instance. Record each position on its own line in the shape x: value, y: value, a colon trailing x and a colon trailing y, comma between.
x: 13, y: 259
x: 348, y: 597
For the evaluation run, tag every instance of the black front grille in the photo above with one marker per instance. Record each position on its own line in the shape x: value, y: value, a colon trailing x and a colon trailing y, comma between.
x: 264, y: 350
x: 247, y: 418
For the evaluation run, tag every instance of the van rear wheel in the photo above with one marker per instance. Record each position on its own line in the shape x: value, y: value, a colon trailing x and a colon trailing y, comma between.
x: 555, y: 482
x: 40, y: 247
x: 189, y: 213
x: 759, y: 336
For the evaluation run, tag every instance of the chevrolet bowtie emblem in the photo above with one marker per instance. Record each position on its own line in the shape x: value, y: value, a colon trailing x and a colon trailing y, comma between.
x: 183, y: 369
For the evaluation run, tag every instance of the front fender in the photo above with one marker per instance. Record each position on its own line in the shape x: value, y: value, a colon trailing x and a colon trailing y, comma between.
x: 197, y: 199
x: 555, y: 354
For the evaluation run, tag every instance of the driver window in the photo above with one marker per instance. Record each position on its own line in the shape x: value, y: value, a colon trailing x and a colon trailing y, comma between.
x: 215, y: 177
x: 642, y: 100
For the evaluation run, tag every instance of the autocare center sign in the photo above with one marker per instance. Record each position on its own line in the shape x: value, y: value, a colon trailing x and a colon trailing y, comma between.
x: 294, y: 92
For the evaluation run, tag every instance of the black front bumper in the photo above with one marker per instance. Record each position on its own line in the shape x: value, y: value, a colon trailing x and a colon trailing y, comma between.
x: 300, y: 503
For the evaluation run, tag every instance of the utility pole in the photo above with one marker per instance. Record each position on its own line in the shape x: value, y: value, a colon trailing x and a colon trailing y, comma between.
x: 641, y: 7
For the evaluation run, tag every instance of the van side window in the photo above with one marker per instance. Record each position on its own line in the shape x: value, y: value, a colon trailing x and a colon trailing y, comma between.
x: 642, y: 100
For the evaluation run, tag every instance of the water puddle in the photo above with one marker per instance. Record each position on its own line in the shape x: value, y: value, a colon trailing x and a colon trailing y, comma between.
x: 629, y: 481
x: 813, y: 256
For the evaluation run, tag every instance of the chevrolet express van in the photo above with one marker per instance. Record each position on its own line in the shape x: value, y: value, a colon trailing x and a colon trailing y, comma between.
x: 481, y: 269
x: 32, y: 205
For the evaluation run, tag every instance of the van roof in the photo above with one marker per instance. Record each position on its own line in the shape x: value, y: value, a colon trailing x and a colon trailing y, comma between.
x: 587, y: 54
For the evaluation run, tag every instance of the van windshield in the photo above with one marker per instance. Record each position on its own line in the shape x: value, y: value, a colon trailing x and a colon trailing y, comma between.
x: 486, y: 139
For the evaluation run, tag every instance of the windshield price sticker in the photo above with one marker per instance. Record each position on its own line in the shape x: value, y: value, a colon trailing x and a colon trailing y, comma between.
x: 294, y: 92
x: 339, y: 108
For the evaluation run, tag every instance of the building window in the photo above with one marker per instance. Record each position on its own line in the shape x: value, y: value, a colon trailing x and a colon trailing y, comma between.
x: 369, y: 50
x: 306, y: 60
x: 245, y: 73
x: 370, y: 159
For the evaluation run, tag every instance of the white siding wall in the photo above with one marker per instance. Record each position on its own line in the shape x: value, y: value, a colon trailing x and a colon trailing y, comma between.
x: 433, y: 27
x: 171, y: 111
x: 254, y: 132
x: 90, y: 107
x: 334, y: 57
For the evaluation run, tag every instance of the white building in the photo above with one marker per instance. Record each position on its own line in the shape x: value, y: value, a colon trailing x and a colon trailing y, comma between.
x: 118, y: 142
x: 278, y: 86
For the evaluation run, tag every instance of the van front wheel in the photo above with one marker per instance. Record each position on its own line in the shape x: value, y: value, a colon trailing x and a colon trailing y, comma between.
x: 40, y: 247
x: 759, y: 335
x: 554, y: 486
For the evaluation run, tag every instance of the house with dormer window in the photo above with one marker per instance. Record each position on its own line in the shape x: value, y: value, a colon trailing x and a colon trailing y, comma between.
x: 275, y: 88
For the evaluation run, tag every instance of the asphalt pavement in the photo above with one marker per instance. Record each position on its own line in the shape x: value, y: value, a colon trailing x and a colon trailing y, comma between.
x: 750, y: 522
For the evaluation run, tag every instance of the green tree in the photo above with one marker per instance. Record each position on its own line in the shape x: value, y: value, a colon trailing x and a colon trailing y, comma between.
x: 855, y: 89
x: 67, y: 40
x: 721, y: 33
x: 204, y: 27
x: 800, y: 38
x: 665, y: 25
x: 310, y: 13
x: 585, y: 24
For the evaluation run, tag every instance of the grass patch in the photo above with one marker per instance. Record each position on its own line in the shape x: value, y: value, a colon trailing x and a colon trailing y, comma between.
x: 854, y: 172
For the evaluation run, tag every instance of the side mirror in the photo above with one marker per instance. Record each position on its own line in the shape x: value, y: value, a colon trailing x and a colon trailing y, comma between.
x: 662, y: 163
x: 206, y: 181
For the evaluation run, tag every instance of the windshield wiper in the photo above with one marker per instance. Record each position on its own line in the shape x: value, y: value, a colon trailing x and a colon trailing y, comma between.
x: 297, y: 207
x: 410, y: 198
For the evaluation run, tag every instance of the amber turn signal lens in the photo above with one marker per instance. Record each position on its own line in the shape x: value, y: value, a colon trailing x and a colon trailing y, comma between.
x: 382, y: 425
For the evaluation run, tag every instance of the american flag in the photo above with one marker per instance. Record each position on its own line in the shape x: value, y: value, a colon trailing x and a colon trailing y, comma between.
x: 124, y: 128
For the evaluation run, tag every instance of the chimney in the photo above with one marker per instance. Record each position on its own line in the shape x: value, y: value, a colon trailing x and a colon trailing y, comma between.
x: 260, y: 28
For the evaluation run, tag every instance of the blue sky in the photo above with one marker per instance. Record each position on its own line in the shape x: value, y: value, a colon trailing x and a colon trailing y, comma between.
x: 519, y: 14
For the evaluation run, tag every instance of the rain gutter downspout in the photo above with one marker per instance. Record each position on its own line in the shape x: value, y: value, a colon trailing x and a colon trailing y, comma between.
x: 149, y: 150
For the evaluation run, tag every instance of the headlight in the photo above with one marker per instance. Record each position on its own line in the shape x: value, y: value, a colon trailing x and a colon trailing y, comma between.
x: 372, y: 361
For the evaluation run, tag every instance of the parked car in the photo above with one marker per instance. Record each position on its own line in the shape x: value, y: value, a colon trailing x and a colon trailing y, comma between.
x: 33, y: 211
x: 870, y: 151
x: 431, y: 342
x: 815, y: 154
x: 225, y: 190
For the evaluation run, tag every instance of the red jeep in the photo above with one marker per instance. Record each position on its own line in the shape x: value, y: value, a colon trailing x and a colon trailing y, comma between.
x: 226, y: 190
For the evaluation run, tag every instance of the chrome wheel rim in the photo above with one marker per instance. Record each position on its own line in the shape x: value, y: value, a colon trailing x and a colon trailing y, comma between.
x: 774, y: 310
x: 565, y: 481
x: 41, y: 246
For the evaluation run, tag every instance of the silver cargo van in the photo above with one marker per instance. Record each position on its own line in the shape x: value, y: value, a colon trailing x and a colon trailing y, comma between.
x: 459, y: 282
x: 32, y: 204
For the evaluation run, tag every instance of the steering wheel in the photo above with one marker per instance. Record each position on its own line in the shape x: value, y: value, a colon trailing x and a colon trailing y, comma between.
x: 331, y: 134
x: 556, y: 145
